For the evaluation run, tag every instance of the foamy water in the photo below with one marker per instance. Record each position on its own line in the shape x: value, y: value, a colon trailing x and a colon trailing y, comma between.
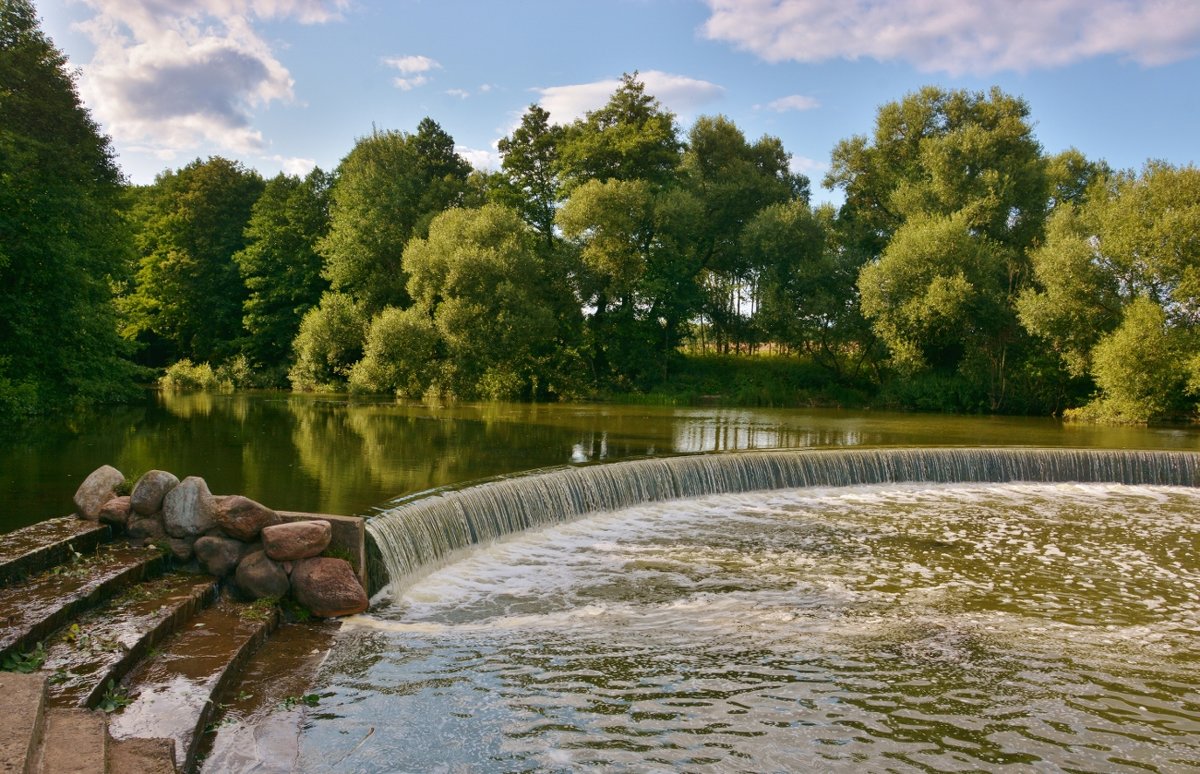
x: 900, y: 627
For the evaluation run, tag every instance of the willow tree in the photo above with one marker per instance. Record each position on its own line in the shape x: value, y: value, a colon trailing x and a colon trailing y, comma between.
x: 1118, y: 292
x: 944, y: 201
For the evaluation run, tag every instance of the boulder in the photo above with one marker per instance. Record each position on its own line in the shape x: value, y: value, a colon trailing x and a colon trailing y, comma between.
x: 328, y: 587
x: 296, y: 540
x: 188, y: 508
x: 115, y: 511
x: 259, y: 576
x: 180, y: 548
x: 242, y: 518
x: 97, y: 489
x: 150, y: 490
x: 150, y: 529
x: 218, y: 556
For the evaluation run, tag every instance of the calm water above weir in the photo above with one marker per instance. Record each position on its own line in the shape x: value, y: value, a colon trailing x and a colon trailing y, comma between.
x: 904, y: 627
x: 317, y: 453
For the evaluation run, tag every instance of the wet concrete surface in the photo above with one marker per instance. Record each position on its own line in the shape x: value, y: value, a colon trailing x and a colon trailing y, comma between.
x: 105, y: 643
x: 170, y: 694
x: 259, y: 726
x: 33, y: 609
x: 46, y: 543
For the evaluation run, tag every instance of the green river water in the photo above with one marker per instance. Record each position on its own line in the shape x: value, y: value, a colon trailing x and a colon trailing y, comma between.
x: 338, y: 455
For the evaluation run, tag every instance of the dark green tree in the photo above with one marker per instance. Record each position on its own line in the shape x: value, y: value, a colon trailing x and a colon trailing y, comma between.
x: 944, y: 203
x: 280, y: 265
x: 632, y: 137
x: 530, y: 168
x: 190, y: 294
x: 62, y: 240
x: 388, y: 189
x: 733, y: 180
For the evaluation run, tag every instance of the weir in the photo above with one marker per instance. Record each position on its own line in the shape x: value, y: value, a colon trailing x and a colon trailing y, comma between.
x: 424, y: 531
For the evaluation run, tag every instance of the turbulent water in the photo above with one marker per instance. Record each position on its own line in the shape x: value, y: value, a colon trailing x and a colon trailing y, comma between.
x: 906, y: 627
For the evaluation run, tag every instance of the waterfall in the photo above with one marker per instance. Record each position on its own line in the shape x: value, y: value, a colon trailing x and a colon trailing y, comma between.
x: 425, y: 530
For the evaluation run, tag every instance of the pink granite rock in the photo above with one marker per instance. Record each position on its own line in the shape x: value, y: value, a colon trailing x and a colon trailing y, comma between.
x: 97, y: 489
x: 242, y: 518
x: 259, y: 576
x: 296, y: 540
x: 116, y: 511
x: 328, y: 587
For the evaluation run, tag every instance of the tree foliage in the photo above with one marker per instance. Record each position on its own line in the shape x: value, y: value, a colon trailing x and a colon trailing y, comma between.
x: 190, y: 295
x: 944, y: 202
x: 328, y: 345
x: 388, y: 189
x: 1118, y: 290
x: 482, y: 281
x: 280, y: 265
x: 62, y: 237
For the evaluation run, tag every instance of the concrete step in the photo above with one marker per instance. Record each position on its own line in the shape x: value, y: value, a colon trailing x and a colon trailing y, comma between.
x: 174, y: 695
x: 34, y: 608
x: 101, y: 646
x: 22, y: 710
x: 258, y: 726
x: 74, y: 742
x: 32, y: 549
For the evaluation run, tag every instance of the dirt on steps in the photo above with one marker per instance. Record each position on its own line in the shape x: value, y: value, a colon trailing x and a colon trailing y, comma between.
x: 32, y: 549
x: 141, y: 756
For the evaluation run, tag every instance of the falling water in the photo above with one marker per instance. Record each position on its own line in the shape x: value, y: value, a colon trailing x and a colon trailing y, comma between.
x: 419, y: 533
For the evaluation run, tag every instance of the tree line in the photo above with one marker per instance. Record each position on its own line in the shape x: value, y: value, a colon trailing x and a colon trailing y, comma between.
x: 966, y: 270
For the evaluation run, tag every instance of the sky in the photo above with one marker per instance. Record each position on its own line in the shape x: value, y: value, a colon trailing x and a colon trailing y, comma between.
x: 283, y: 85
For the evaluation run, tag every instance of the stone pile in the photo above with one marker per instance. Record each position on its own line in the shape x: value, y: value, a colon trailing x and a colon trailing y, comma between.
x: 229, y: 536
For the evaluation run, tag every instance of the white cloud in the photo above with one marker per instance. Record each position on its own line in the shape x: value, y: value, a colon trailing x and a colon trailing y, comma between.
x: 953, y: 36
x: 412, y: 64
x: 792, y: 102
x: 460, y: 93
x: 172, y: 75
x: 293, y: 165
x: 679, y: 93
x: 414, y: 68
x: 483, y: 160
x: 806, y: 166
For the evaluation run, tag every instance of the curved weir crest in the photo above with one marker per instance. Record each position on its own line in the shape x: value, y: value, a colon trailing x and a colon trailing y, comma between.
x: 425, y: 531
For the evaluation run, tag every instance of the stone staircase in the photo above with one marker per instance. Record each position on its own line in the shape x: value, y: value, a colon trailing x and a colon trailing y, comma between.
x: 122, y: 664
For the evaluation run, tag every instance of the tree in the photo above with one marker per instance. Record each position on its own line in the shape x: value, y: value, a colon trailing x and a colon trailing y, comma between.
x: 1118, y: 290
x: 388, y: 189
x: 944, y: 203
x: 529, y: 165
x: 482, y: 281
x: 639, y: 272
x: 630, y: 138
x: 189, y: 292
x: 280, y: 266
x: 809, y: 297
x: 62, y: 239
x: 328, y: 345
x: 733, y: 180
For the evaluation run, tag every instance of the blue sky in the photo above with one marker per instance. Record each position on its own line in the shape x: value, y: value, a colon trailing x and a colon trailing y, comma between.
x: 285, y: 84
